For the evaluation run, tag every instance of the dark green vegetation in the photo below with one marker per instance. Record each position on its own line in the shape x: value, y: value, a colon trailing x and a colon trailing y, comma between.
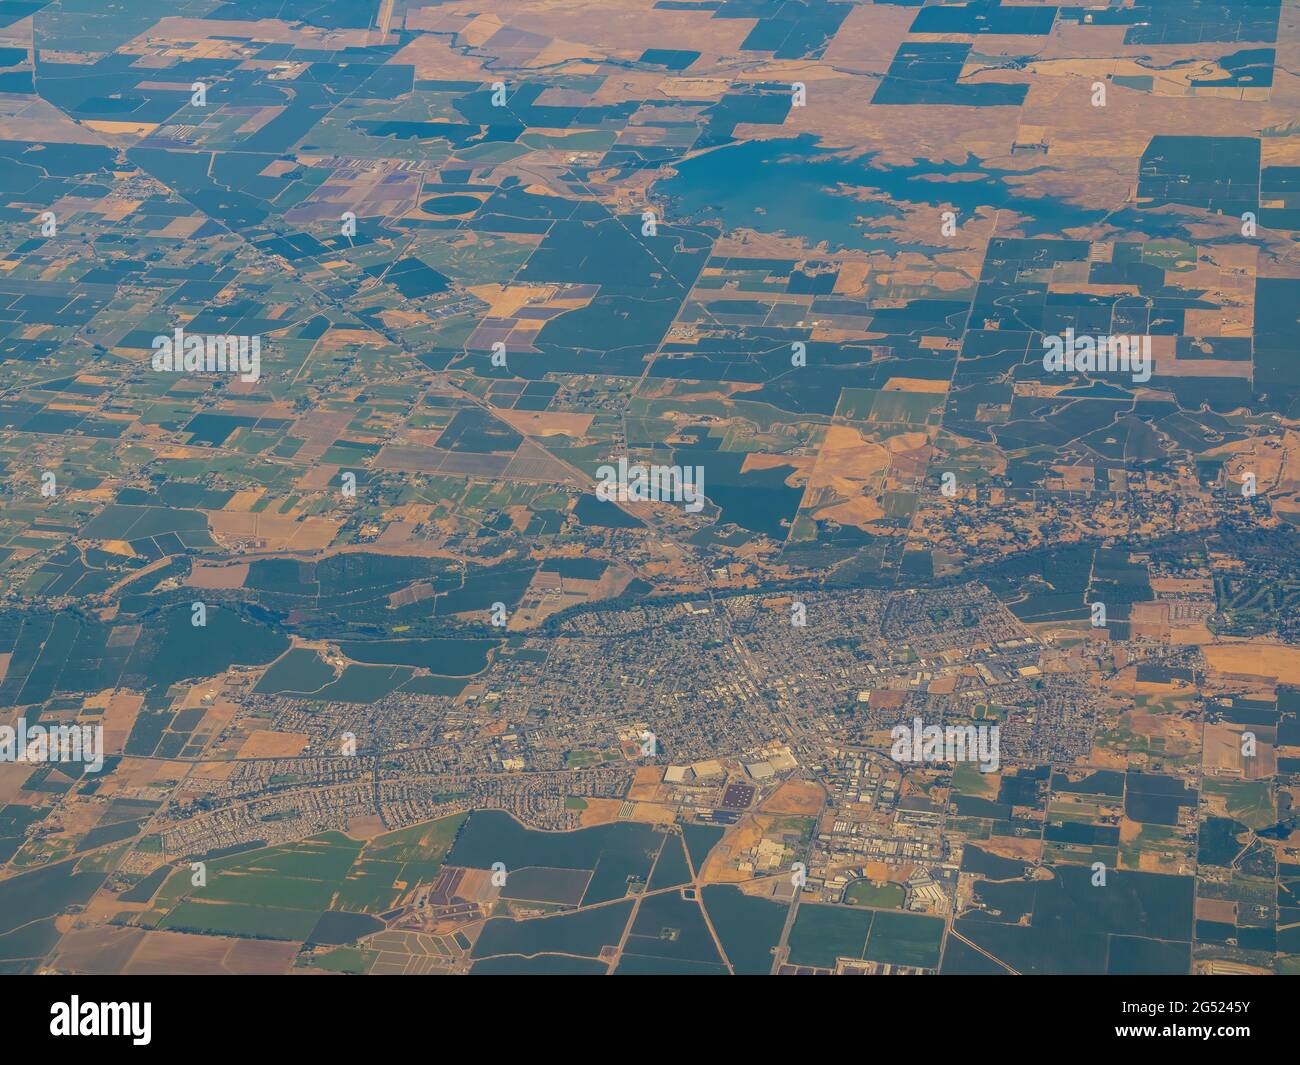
x: 1136, y: 919
x: 538, y: 965
x: 619, y: 855
x: 583, y: 932
x: 70, y: 653
x: 749, y: 927
x: 66, y: 653
x: 299, y: 671
x: 821, y: 934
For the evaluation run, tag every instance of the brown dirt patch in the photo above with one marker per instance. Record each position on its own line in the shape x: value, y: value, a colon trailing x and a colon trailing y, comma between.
x: 268, y: 744
x: 802, y: 797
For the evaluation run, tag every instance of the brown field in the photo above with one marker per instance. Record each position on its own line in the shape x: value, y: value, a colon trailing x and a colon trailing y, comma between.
x: 135, y: 773
x: 320, y: 428
x: 860, y: 512
x: 803, y: 797
x: 41, y: 122
x: 197, y: 695
x: 1180, y: 736
x: 1255, y: 658
x: 543, y: 423
x: 119, y: 719
x: 273, y: 532
x: 645, y: 784
x: 1223, y: 750
x: 887, y: 699
x: 244, y: 500
x: 653, y: 813
x: 398, y: 532
x: 882, y: 873
x: 180, y: 953
x: 102, y: 950
x: 111, y: 951
x: 719, y: 868
x: 476, y: 886
x: 189, y: 30
x: 366, y: 827
x: 1150, y: 620
x: 1128, y: 682
x: 599, y: 812
x: 915, y: 384
x: 433, y: 55
x: 848, y: 456
x: 267, y: 744
x: 562, y: 31
x: 211, y: 575
x: 758, y: 460
x: 220, y: 714
x: 1224, y: 910
x: 1129, y: 830
x: 13, y: 775
x: 1223, y: 754
x: 1013, y: 847
x: 211, y: 771
x: 505, y: 300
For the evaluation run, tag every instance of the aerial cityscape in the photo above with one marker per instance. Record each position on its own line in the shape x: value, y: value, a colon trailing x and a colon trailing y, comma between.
x: 649, y: 487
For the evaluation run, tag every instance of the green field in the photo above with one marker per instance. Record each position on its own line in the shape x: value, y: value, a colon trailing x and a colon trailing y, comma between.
x: 823, y: 933
x: 280, y: 892
x: 881, y: 896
